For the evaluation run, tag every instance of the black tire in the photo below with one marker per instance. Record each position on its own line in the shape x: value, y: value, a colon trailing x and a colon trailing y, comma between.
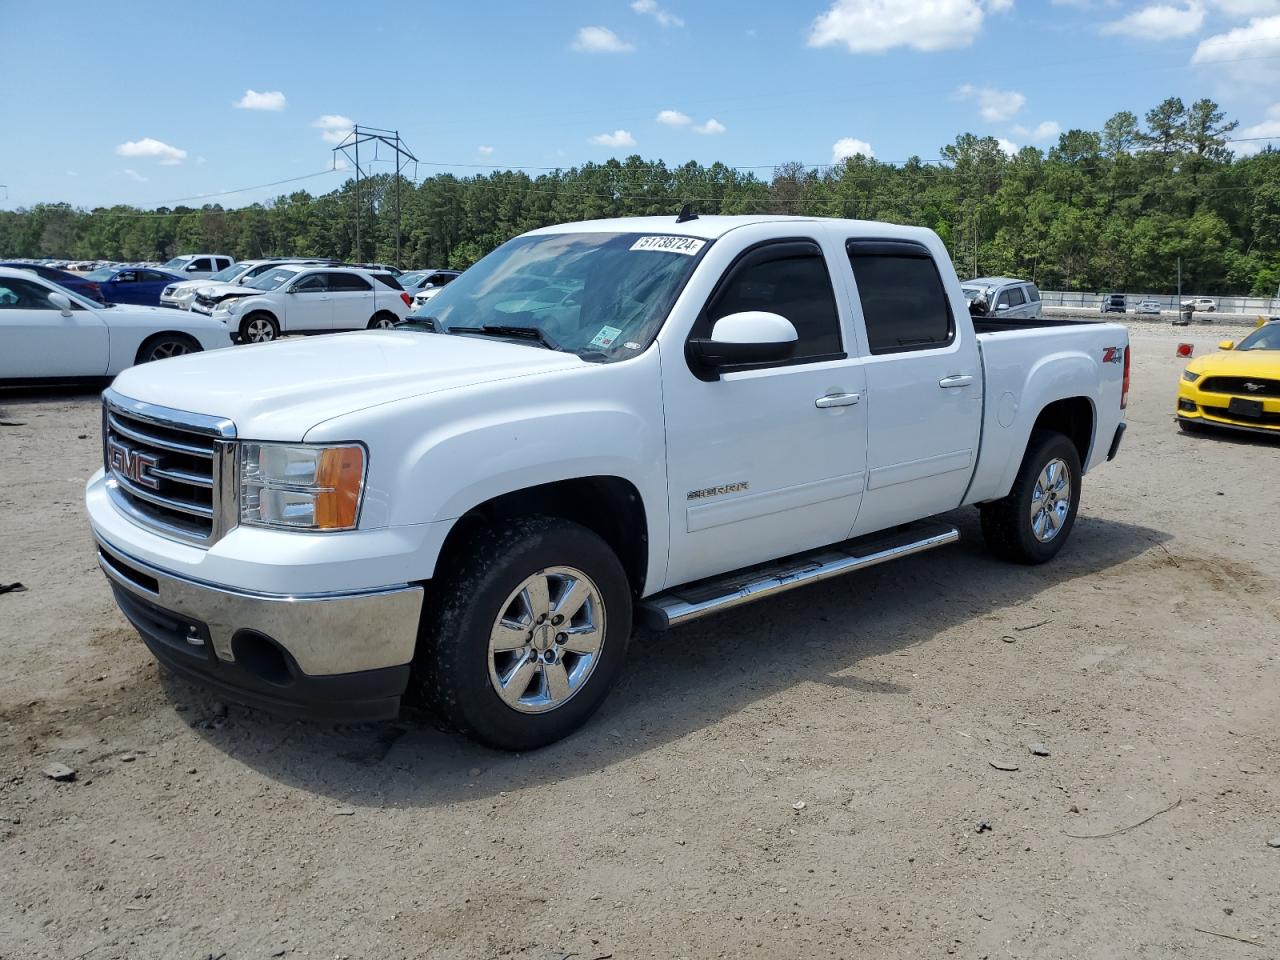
x: 162, y: 346
x: 1007, y: 523
x: 453, y: 663
x: 383, y: 320
x: 259, y: 327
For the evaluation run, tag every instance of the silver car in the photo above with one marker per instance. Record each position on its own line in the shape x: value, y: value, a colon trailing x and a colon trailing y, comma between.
x: 1004, y: 298
x: 1148, y: 307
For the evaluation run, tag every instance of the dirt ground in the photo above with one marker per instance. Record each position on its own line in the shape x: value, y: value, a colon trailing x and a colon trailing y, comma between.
x: 804, y: 777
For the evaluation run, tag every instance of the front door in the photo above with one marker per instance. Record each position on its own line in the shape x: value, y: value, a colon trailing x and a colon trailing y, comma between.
x: 310, y: 304
x: 767, y: 460
x: 924, y: 385
x: 40, y: 342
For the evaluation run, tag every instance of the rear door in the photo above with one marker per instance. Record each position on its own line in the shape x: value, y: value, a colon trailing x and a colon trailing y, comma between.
x: 353, y: 301
x: 924, y: 383
x: 40, y: 342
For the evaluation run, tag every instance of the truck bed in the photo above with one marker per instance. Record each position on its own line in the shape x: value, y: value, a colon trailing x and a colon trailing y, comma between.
x: 996, y: 325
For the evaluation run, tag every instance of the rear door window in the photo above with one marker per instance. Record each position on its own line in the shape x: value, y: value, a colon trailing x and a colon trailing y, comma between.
x: 1013, y: 297
x: 904, y: 304
x: 1033, y: 293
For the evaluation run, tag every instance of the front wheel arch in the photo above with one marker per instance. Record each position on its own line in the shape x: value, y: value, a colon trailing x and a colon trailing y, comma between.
x: 148, y: 345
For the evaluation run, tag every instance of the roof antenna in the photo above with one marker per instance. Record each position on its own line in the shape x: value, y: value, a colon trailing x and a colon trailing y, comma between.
x: 686, y: 214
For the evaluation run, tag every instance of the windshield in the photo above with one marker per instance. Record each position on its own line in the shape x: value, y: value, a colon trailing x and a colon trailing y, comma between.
x: 410, y: 280
x: 272, y: 279
x: 1264, y: 338
x: 599, y: 294
x: 228, y: 274
x: 177, y: 263
x: 972, y: 293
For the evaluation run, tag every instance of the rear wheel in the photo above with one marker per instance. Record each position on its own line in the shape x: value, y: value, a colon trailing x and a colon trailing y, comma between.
x: 1032, y: 523
x: 259, y: 328
x: 383, y: 321
x: 166, y: 345
x: 526, y: 634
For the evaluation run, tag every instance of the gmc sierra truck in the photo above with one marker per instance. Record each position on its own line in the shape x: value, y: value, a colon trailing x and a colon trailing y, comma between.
x: 600, y: 423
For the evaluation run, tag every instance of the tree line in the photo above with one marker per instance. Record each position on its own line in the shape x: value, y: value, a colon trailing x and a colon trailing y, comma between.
x: 1114, y: 209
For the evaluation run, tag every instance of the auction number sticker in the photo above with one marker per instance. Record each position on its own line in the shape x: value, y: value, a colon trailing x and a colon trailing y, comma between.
x: 689, y: 246
x: 605, y: 337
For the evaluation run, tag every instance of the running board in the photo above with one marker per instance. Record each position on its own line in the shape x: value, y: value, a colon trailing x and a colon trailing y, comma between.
x: 682, y: 604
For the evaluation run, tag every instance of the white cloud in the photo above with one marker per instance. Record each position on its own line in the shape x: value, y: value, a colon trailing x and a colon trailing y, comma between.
x: 1159, y: 21
x: 333, y: 127
x: 340, y: 163
x: 866, y: 26
x: 1269, y: 128
x: 619, y: 138
x: 599, y: 40
x: 651, y: 8
x: 150, y: 147
x: 1008, y: 146
x: 1046, y: 130
x: 1254, y: 48
x: 847, y: 147
x: 268, y: 100
x: 72, y: 173
x: 674, y: 118
x: 485, y: 149
x: 1247, y: 8
x: 712, y: 126
x: 995, y: 106
x: 134, y: 175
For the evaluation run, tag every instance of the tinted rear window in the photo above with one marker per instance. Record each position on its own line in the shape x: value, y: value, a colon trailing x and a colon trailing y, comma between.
x: 387, y: 280
x: 904, y: 304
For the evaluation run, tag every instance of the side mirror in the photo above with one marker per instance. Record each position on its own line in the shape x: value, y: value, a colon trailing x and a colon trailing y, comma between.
x: 1226, y: 344
x: 1001, y: 307
x: 61, y: 301
x: 753, y: 336
x: 190, y: 268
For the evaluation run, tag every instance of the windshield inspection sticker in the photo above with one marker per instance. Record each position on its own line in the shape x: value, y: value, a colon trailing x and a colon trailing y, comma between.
x: 689, y: 246
x: 606, y: 336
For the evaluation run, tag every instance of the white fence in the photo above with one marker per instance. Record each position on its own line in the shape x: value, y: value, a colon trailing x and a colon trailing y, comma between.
x: 1250, y: 306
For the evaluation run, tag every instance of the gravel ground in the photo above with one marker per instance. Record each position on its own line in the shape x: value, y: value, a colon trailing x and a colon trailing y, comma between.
x: 802, y: 778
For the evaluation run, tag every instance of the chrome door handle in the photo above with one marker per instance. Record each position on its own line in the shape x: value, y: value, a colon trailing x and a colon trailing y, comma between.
x: 963, y: 380
x: 837, y: 400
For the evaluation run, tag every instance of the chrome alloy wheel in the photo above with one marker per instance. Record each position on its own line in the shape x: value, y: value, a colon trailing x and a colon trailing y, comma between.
x: 259, y: 330
x: 1051, y: 500
x: 546, y: 640
x: 168, y: 348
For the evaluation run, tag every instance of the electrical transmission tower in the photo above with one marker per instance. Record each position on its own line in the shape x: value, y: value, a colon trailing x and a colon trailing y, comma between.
x: 350, y: 148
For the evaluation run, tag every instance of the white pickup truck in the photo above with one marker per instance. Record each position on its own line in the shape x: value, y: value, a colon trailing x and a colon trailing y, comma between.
x: 642, y: 419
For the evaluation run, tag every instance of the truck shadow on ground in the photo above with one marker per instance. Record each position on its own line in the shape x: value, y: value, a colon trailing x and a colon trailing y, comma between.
x: 679, y: 682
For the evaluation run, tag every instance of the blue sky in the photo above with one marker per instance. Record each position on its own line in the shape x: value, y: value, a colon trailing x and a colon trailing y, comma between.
x: 136, y: 103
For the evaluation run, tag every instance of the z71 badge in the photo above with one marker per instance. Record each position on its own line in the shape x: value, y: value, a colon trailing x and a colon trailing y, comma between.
x: 1112, y: 355
x: 718, y: 491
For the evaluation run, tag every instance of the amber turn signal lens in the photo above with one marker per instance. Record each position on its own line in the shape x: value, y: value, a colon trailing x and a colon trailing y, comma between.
x: 339, y: 478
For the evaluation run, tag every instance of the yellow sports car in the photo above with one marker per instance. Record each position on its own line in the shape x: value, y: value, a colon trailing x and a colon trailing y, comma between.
x: 1237, y: 388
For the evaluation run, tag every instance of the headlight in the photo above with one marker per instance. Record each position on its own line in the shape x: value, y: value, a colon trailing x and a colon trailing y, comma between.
x: 1190, y: 377
x: 301, y: 486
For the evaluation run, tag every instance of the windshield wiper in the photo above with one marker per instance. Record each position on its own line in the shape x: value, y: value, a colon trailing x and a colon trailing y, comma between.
x: 505, y: 330
x: 428, y: 323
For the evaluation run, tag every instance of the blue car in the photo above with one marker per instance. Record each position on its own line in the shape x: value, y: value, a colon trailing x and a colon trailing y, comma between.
x: 86, y: 288
x: 140, y: 285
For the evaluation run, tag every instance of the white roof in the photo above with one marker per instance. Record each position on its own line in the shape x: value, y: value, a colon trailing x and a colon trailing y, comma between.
x: 714, y: 227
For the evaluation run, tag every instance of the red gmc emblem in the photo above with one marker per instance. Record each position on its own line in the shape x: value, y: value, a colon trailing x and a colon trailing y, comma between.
x: 131, y: 464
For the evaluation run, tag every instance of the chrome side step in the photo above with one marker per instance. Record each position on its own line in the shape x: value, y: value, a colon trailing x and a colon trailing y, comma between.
x: 682, y: 604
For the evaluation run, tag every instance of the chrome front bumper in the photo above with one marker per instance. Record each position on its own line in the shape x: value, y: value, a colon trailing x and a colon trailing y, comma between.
x: 320, y: 634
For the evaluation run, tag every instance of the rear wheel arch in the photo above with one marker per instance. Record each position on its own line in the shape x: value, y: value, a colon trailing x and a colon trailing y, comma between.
x: 1074, y: 418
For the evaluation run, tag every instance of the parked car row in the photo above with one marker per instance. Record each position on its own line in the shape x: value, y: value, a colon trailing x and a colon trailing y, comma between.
x: 1119, y: 303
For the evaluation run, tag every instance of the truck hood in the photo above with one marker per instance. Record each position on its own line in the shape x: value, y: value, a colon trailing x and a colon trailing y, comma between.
x: 279, y: 391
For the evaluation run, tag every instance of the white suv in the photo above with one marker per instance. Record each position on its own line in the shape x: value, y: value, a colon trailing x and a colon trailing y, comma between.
x: 300, y: 299
x: 198, y: 266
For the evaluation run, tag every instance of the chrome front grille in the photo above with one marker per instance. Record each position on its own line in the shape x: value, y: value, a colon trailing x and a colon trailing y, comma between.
x: 171, y: 471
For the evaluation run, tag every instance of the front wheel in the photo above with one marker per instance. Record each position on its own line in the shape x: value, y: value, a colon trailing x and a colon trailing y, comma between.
x: 1032, y: 523
x: 258, y: 328
x: 166, y: 345
x: 526, y: 634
